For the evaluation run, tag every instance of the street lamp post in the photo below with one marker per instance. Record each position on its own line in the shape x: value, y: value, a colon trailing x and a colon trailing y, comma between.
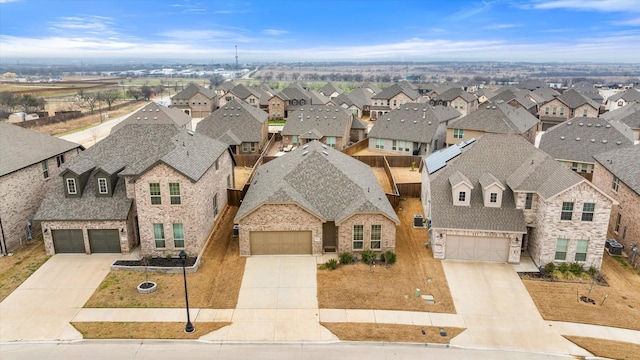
x: 189, y: 328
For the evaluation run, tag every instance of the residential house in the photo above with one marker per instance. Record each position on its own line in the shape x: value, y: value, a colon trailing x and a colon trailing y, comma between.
x: 159, y: 186
x: 391, y: 98
x: 223, y: 88
x: 588, y: 90
x: 484, y: 95
x: 154, y: 113
x: 412, y: 129
x: 621, y: 99
x: 352, y: 102
x: 574, y: 142
x: 195, y: 100
x: 617, y: 173
x: 329, y: 124
x: 494, y: 197
x: 564, y: 107
x: 519, y: 99
x: 629, y: 115
x: 315, y: 200
x: 493, y: 118
x: 545, y: 94
x: 28, y: 162
x: 371, y: 88
x: 243, y: 127
x: 330, y: 90
x: 465, y: 103
x: 243, y: 93
x: 277, y: 106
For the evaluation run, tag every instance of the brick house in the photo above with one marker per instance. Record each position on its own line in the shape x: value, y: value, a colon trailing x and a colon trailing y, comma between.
x: 496, y: 118
x: 157, y: 186
x: 519, y: 98
x: 628, y: 115
x: 154, y: 113
x: 617, y: 173
x: 621, y: 99
x: 330, y: 90
x: 412, y: 129
x: 243, y: 127
x: 574, y: 143
x: 243, y: 93
x: 328, y: 124
x: 492, y: 198
x: 564, y: 107
x: 391, y: 98
x: 315, y: 200
x: 28, y: 162
x: 195, y: 100
x: 465, y: 103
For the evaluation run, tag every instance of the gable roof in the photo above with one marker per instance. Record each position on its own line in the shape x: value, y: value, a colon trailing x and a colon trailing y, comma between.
x: 243, y: 92
x: 519, y: 96
x: 322, y: 180
x: 371, y: 87
x: 154, y: 113
x: 20, y: 147
x: 629, y: 95
x: 396, y: 89
x: 191, y: 90
x: 235, y: 121
x: 318, y: 99
x: 412, y: 122
x: 295, y: 91
x: 580, y: 138
x: 497, y: 118
x: 624, y: 164
x: 573, y: 99
x: 454, y: 93
x: 628, y: 114
x: 329, y: 89
x: 321, y: 120
x: 547, y: 93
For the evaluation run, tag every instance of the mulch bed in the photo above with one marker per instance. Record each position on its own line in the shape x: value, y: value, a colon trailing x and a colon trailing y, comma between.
x: 157, y: 261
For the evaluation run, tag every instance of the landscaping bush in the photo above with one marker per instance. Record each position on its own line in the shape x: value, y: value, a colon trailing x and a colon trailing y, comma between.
x: 169, y: 257
x: 563, y: 268
x: 369, y: 257
x: 576, y: 268
x: 549, y: 268
x: 331, y: 264
x: 557, y: 275
x: 389, y: 257
x: 346, y: 258
x: 592, y: 271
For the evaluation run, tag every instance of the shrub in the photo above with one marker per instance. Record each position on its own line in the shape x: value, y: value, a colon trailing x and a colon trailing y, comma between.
x: 369, y: 257
x: 576, y: 268
x: 389, y: 257
x: 331, y: 264
x: 563, y: 268
x: 346, y: 258
x: 169, y: 256
x: 592, y: 271
x: 549, y: 268
x: 557, y: 275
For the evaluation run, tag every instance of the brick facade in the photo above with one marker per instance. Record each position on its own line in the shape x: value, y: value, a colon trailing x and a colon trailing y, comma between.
x: 345, y: 233
x: 127, y: 237
x: 22, y: 192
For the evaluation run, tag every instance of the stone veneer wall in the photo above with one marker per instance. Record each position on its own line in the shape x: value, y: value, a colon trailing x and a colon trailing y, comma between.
x: 22, y: 193
x: 280, y: 217
x: 345, y: 232
x: 125, y: 243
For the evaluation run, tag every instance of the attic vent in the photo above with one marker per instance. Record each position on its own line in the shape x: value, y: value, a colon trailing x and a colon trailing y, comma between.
x: 429, y: 123
x: 155, y: 118
x: 593, y: 140
x: 302, y: 109
x: 568, y: 122
x: 336, y: 110
x: 304, y: 153
x: 589, y: 125
x: 580, y: 124
x: 334, y: 117
x: 146, y: 118
x: 237, y: 115
x: 325, y: 153
x: 577, y: 139
x: 493, y: 107
x: 232, y: 108
x: 324, y: 146
x: 226, y: 108
x: 604, y: 141
x: 326, y: 117
x: 306, y: 146
x: 190, y: 132
x: 138, y: 118
x: 158, y: 109
x: 402, y: 120
x: 618, y: 142
x: 415, y: 121
x: 598, y: 125
x: 415, y: 109
x: 562, y: 137
x: 388, y: 119
x: 143, y: 110
x: 607, y: 126
x: 488, y: 107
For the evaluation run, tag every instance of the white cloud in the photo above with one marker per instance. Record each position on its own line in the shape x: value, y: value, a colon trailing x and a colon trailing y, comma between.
x: 589, y: 5
x: 628, y: 22
x: 274, y: 32
x: 190, y: 36
x: 500, y: 26
x: 85, y: 24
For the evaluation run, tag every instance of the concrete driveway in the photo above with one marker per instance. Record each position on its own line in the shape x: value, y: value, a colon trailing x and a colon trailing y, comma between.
x: 277, y: 302
x: 41, y: 308
x: 498, y: 310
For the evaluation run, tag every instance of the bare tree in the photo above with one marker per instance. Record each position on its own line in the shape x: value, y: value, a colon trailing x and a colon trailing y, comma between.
x: 29, y: 103
x: 88, y: 101
x: 110, y: 96
x: 135, y: 93
x: 146, y: 92
x: 215, y: 80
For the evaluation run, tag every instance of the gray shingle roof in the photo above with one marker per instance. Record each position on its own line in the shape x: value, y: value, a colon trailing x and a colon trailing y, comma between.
x: 412, y: 122
x: 497, y: 118
x: 624, y: 164
x: 20, y: 147
x: 329, y: 89
x: 243, y: 92
x: 596, y: 135
x: 153, y: 113
x: 455, y: 92
x: 326, y: 120
x: 519, y: 96
x: 297, y: 92
x: 572, y: 98
x: 629, y: 95
x: 191, y: 90
x: 628, y: 114
x: 318, y: 99
x: 546, y: 93
x: 358, y: 124
x: 394, y: 90
x: 237, y: 117
x: 324, y: 181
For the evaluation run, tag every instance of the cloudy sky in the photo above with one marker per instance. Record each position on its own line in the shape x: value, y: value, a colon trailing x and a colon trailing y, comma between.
x: 307, y: 30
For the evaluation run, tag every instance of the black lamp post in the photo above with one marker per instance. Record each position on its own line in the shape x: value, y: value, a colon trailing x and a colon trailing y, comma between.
x: 189, y: 328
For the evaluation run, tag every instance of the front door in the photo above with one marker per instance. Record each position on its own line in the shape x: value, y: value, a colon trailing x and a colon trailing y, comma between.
x: 329, y: 236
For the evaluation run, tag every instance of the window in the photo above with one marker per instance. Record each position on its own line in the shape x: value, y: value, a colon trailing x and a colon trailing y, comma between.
x: 252, y: 101
x: 178, y: 235
x: 253, y: 147
x: 584, y: 113
x: 174, y: 193
x: 394, y: 145
x: 546, y: 110
x: 395, y: 102
x: 358, y: 237
x: 616, y: 183
x: 45, y: 169
x: 561, y: 249
x: 60, y: 159
x: 217, y: 165
x: 554, y: 110
x: 587, y: 211
x: 102, y: 186
x: 158, y: 235
x: 229, y: 181
x: 215, y: 205
x: 585, y: 168
x: 294, y: 140
x: 376, y: 236
x: 245, y: 147
x: 528, y: 201
x: 581, y: 250
x: 493, y: 197
x: 379, y: 143
x: 620, y: 103
x: 574, y: 166
x: 462, y: 196
x: 331, y: 141
x: 561, y: 111
x: 567, y: 210
x: 458, y: 133
x: 71, y: 186
x: 618, y: 220
x: 154, y: 190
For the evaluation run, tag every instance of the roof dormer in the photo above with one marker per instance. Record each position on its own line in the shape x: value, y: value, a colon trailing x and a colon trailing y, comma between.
x: 75, y: 177
x: 460, y: 189
x: 106, y: 177
x: 492, y: 190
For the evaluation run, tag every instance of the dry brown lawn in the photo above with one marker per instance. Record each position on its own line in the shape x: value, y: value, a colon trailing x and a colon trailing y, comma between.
x: 241, y: 175
x: 406, y: 175
x: 383, y: 179
x: 391, y: 332
x: 145, y: 330
x: 607, y: 348
x: 558, y: 300
x: 391, y: 288
x: 216, y: 284
x: 26, y: 259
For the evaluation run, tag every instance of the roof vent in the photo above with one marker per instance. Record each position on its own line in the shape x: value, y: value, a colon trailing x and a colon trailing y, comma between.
x: 598, y: 125
x: 190, y: 132
x: 401, y: 120
x: 589, y: 125
x: 415, y: 121
x: 232, y: 108
x: 306, y: 146
x: 593, y: 140
x: 562, y: 137
x: 226, y: 108
x: 158, y: 109
x: 618, y: 142
x: 324, y: 146
x: 493, y: 107
x: 155, y: 118
x: 301, y: 109
x: 578, y: 139
x: 429, y: 123
x: 580, y: 124
x: 325, y: 153
x: 138, y: 118
x: 305, y: 153
x: 143, y: 110
x: 488, y: 107
x: 146, y: 118
x: 568, y: 122
x: 607, y: 126
x: 415, y: 109
x: 388, y: 119
x: 604, y: 141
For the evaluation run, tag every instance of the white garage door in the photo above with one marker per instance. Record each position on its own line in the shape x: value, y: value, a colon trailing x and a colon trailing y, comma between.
x: 477, y: 248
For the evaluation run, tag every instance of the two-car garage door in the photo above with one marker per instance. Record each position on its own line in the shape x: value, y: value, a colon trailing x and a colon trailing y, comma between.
x: 280, y: 242
x: 72, y: 241
x: 477, y: 248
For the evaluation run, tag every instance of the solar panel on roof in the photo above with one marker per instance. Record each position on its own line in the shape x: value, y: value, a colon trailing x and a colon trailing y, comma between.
x: 438, y: 160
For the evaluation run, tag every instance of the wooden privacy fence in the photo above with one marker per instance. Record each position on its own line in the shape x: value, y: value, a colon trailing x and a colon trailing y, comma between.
x: 360, y: 145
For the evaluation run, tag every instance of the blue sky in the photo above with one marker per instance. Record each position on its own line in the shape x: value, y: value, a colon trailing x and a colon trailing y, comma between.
x: 308, y: 30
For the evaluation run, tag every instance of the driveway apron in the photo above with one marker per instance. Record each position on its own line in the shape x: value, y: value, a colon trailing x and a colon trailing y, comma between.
x: 41, y: 308
x: 277, y: 302
x: 498, y: 311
